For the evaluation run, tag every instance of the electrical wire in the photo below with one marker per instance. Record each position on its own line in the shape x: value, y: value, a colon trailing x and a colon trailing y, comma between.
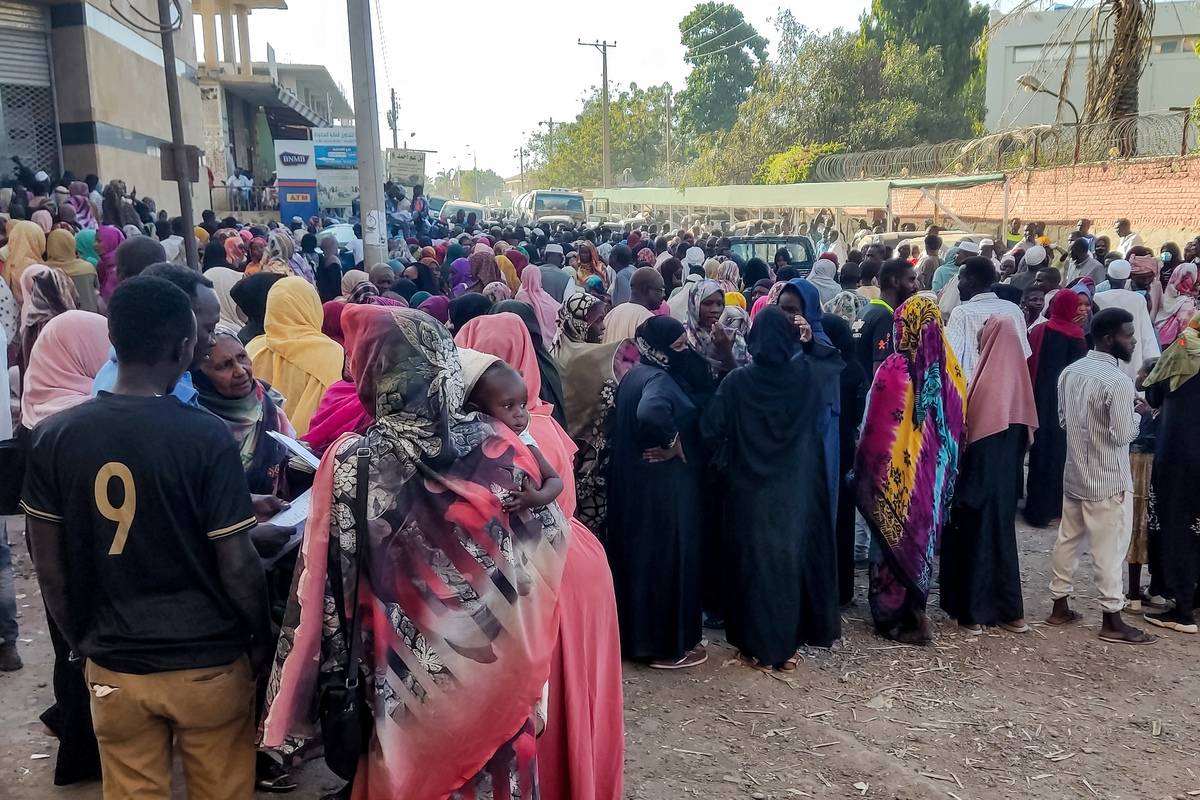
x: 711, y: 14
x: 709, y: 41
x: 729, y: 47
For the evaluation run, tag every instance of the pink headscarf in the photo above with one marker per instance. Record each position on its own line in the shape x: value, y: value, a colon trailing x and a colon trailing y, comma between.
x: 545, y: 307
x: 82, y: 205
x: 68, y: 353
x: 43, y: 219
x: 759, y: 305
x: 108, y: 239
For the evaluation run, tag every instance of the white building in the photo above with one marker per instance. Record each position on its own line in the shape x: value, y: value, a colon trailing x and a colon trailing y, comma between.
x: 1039, y: 43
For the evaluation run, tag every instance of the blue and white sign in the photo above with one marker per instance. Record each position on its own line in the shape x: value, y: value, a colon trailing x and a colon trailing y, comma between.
x: 335, y: 148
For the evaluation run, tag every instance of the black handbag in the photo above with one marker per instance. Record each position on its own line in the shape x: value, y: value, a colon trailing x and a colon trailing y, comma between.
x: 345, y: 714
x: 13, y: 455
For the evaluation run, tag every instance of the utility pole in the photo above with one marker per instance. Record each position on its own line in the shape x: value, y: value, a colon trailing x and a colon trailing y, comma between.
x: 668, y: 143
x: 603, y: 46
x: 549, y: 123
x: 520, y: 154
x: 178, y: 147
x: 393, y: 119
x: 366, y: 113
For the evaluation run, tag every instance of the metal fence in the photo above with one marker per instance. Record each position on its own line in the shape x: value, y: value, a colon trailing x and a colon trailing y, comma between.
x: 252, y: 198
x: 1144, y: 136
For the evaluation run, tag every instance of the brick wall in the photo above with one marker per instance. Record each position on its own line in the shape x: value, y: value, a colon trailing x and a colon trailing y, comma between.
x: 1160, y: 196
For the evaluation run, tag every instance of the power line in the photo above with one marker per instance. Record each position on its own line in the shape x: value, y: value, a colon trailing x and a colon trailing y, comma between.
x: 712, y: 14
x: 718, y: 36
x: 727, y: 47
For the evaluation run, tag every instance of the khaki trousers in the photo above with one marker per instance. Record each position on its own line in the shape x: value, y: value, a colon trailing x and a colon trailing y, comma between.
x: 208, y: 713
x: 1103, y: 528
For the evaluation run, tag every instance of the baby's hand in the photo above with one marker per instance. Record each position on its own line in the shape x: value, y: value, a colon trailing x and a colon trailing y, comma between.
x: 521, y: 498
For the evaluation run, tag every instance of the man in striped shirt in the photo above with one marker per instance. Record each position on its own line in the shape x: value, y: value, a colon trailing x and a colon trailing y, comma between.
x: 1098, y: 408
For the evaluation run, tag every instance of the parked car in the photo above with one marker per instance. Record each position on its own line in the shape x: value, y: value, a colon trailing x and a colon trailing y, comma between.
x: 452, y: 207
x: 800, y: 247
x: 343, y: 232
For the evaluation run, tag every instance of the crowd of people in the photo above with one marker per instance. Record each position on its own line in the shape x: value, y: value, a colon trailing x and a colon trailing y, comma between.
x: 414, y: 514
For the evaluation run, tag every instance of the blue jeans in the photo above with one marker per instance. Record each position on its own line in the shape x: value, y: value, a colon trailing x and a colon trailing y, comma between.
x: 8, y: 596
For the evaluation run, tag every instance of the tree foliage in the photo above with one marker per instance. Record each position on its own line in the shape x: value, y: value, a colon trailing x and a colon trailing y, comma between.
x: 467, y: 184
x: 572, y: 156
x: 831, y: 88
x: 724, y: 51
x: 795, y: 164
x: 953, y: 27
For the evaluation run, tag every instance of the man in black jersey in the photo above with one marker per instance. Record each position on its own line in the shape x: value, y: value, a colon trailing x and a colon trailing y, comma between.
x: 138, y: 517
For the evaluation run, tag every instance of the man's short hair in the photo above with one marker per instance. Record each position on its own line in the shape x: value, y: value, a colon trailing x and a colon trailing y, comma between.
x: 146, y: 316
x: 621, y: 256
x: 850, y: 273
x: 186, y: 280
x: 1108, y: 322
x: 1080, y: 245
x: 890, y: 272
x: 933, y: 243
x: 135, y: 254
x: 1053, y: 273
x: 177, y: 228
x: 980, y: 270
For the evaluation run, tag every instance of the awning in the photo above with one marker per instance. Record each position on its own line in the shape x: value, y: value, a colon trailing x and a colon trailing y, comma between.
x: 846, y: 194
x: 277, y: 101
x: 836, y: 194
x: 948, y: 181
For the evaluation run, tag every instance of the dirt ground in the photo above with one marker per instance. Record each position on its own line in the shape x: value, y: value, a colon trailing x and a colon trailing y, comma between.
x: 1052, y: 714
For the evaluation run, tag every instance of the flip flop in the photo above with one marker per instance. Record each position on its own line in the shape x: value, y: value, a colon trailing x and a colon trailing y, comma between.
x: 1014, y: 629
x: 1071, y: 620
x: 971, y: 631
x: 1122, y: 640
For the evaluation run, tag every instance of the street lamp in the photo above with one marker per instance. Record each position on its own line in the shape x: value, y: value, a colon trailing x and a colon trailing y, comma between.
x: 1031, y: 84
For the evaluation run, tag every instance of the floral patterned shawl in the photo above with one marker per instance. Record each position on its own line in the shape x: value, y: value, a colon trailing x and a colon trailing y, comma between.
x: 907, y: 458
x: 459, y: 598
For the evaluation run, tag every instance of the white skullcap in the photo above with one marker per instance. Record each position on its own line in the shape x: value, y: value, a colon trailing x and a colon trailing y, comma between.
x: 986, y: 243
x: 967, y: 246
x: 695, y: 257
x: 1120, y: 269
x: 554, y: 248
x: 1035, y: 256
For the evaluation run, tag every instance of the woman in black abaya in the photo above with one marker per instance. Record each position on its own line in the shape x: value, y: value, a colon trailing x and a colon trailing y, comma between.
x: 654, y: 504
x: 1054, y: 345
x: 980, y: 570
x: 854, y: 385
x: 779, y: 554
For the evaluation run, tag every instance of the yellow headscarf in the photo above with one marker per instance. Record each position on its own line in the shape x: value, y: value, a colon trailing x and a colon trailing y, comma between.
x: 735, y: 299
x: 509, y: 271
x: 26, y: 245
x: 201, y: 235
x: 292, y: 354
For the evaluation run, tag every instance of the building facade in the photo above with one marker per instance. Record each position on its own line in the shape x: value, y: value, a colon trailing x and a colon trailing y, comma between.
x: 1045, y: 44
x: 82, y: 89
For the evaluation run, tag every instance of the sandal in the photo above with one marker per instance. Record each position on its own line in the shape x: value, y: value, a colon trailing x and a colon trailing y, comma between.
x: 789, y: 665
x: 1011, y: 628
x: 1138, y: 637
x: 971, y: 630
x: 270, y: 776
x: 1071, y: 619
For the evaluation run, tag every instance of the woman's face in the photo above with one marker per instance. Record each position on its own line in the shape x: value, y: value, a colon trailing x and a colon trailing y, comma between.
x: 1085, y: 305
x: 595, y: 321
x: 680, y: 344
x: 585, y: 256
x: 758, y: 292
x: 228, y: 367
x: 710, y: 310
x: 791, y: 304
x: 411, y: 272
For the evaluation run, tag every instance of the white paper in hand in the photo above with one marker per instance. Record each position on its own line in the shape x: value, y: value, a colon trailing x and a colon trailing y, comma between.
x: 295, y: 448
x: 295, y: 514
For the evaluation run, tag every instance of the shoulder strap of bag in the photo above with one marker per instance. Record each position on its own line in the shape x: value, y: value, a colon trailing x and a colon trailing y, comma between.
x: 351, y: 627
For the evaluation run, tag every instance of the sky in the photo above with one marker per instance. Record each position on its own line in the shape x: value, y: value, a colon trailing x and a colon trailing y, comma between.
x: 473, y: 77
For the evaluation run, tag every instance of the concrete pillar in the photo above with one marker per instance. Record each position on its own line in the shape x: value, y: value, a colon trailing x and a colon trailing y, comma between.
x: 243, y: 26
x: 227, y: 43
x: 208, y: 26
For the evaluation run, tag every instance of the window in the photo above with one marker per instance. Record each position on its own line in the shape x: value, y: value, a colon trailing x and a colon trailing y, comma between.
x: 1167, y: 45
x: 1030, y: 53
